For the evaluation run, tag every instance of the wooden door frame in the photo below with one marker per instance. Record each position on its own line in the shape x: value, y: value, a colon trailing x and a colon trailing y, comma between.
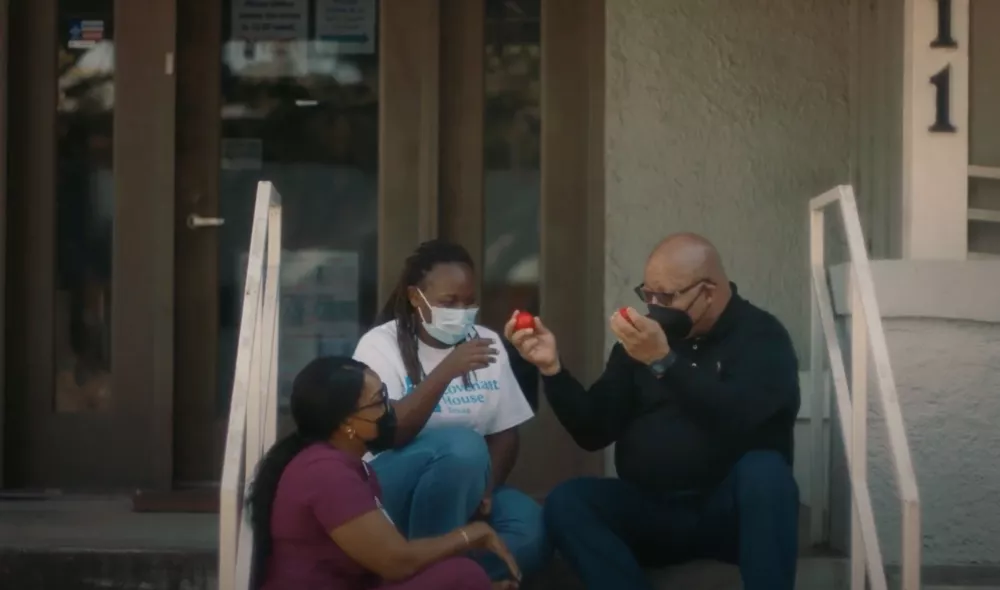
x: 141, y: 291
x: 573, y: 140
x: 199, y: 140
x: 572, y: 211
x: 572, y: 203
x: 409, y: 91
x: 34, y: 132
x: 462, y: 125
x: 143, y: 280
x: 4, y: 43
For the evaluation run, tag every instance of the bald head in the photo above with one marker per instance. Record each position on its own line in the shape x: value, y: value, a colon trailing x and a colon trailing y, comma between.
x: 685, y: 272
x: 683, y: 259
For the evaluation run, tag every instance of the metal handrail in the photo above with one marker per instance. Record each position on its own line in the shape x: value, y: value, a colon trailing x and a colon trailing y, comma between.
x: 867, y: 340
x: 253, y: 406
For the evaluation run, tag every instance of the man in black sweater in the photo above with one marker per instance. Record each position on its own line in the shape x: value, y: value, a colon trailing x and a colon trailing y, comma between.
x: 701, y: 397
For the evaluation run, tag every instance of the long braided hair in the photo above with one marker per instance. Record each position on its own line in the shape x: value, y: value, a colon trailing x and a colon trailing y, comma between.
x: 427, y: 255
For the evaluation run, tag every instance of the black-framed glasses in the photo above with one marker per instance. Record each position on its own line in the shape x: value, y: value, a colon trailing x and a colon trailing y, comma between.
x: 382, y: 401
x: 664, y: 298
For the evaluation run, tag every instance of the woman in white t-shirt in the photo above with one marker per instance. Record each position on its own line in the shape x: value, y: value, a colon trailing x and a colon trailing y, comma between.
x: 458, y: 406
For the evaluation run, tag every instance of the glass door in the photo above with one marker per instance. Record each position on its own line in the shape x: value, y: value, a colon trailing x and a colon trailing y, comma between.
x: 516, y: 134
x: 80, y: 409
x: 382, y: 124
x: 288, y: 94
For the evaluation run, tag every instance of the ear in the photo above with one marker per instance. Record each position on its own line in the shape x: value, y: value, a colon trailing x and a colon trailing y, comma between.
x: 413, y: 295
x: 709, y: 293
x: 418, y: 303
x: 347, y: 428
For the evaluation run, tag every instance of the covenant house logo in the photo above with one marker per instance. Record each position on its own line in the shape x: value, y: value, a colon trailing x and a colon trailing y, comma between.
x: 459, y: 399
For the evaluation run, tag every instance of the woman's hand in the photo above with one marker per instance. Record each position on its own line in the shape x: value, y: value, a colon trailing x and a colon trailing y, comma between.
x: 471, y: 355
x: 482, y: 536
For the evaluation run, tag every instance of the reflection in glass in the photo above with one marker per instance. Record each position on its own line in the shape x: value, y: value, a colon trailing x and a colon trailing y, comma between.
x: 84, y: 204
x: 511, y: 159
x: 302, y: 113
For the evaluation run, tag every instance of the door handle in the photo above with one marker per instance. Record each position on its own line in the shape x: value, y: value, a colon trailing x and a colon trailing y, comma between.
x: 196, y: 221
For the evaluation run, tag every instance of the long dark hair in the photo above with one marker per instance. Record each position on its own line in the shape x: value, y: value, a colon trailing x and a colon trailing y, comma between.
x: 427, y: 255
x: 324, y: 394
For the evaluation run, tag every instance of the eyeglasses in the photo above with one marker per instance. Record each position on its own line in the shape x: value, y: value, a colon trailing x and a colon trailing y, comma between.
x: 382, y: 401
x: 666, y: 299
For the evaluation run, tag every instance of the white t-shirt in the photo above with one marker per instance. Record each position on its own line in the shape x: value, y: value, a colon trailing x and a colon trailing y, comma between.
x: 492, y: 403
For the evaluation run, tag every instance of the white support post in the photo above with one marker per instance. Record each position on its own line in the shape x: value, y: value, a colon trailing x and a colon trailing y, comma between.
x: 859, y: 426
x: 935, y: 129
x: 867, y: 340
x: 252, y: 419
x: 272, y: 311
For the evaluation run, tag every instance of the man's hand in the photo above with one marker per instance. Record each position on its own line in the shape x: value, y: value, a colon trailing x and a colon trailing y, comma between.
x: 536, y: 345
x: 642, y: 338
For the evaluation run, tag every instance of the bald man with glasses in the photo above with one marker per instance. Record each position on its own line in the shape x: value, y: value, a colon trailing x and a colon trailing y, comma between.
x: 700, y: 395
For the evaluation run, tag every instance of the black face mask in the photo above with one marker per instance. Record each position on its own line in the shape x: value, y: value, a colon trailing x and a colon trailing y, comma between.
x: 386, y: 428
x: 676, y: 323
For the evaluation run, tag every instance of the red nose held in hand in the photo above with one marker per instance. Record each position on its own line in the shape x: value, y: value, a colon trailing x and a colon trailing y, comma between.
x: 624, y: 313
x: 524, y: 321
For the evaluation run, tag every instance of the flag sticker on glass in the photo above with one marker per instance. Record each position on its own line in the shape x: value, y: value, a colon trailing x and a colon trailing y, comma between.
x: 84, y: 34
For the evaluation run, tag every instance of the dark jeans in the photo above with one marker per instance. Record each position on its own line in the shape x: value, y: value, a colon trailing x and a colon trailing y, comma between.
x: 609, y: 529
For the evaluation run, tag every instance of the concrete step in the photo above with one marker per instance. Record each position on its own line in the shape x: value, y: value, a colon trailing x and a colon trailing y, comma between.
x: 822, y: 573
x: 76, y: 569
x: 99, y: 543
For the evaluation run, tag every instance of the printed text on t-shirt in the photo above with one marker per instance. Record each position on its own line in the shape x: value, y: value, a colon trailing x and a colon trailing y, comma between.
x: 458, y: 397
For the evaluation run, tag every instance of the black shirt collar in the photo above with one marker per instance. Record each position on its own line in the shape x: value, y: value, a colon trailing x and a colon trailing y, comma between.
x: 729, y: 318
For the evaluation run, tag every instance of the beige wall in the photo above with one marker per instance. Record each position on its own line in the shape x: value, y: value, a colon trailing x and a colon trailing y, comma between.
x: 944, y: 347
x: 724, y: 117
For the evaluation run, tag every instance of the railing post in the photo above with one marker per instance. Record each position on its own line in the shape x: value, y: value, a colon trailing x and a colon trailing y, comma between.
x: 819, y: 401
x: 253, y: 411
x: 272, y: 313
x: 859, y: 424
x: 867, y: 339
x: 912, y: 545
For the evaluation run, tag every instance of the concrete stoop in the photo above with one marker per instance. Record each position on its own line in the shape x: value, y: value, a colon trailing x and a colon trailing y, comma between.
x: 79, y: 569
x: 48, y: 569
x: 822, y: 573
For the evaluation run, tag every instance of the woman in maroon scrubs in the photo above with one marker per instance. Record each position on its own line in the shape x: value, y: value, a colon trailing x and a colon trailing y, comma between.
x: 315, y: 506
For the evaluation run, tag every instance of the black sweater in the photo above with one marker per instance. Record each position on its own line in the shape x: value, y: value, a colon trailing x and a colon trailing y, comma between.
x: 733, y: 390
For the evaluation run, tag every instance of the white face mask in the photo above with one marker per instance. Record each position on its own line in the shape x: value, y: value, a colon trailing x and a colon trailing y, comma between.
x: 447, y: 325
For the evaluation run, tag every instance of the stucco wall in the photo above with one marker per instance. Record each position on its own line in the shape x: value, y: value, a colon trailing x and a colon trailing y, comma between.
x: 944, y: 348
x: 950, y: 410
x: 724, y: 117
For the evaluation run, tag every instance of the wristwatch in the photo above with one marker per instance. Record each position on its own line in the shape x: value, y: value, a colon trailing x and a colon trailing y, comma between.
x: 659, y: 368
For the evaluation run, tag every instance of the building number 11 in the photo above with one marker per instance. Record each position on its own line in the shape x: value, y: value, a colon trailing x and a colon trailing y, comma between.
x: 942, y: 79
